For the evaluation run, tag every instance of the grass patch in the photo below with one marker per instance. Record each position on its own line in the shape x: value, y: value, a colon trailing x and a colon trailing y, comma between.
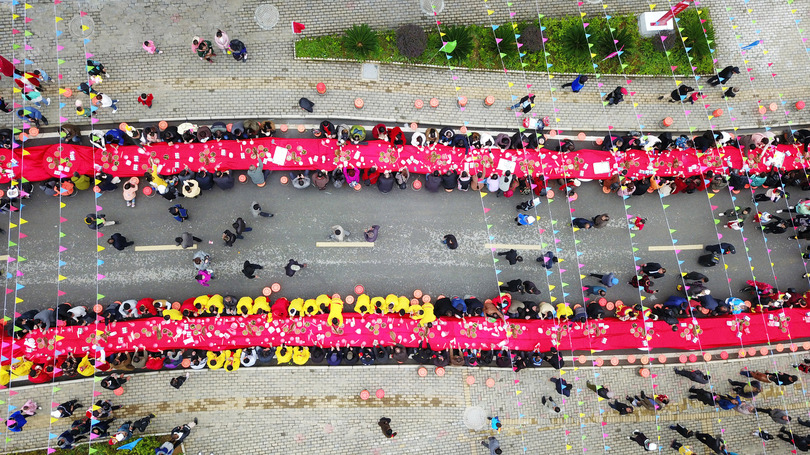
x: 145, y: 447
x: 563, y: 50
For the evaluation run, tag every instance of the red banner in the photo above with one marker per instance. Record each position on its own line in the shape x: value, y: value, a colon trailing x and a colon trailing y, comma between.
x: 672, y: 13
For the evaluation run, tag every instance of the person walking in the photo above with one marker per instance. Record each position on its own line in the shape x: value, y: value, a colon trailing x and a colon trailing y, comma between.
x: 293, y: 266
x: 601, y: 390
x: 548, y: 260
x: 608, y: 279
x: 779, y: 416
x: 723, y: 76
x: 186, y: 240
x: 642, y: 440
x: 338, y: 233
x: 653, y: 270
x: 95, y: 222
x: 577, y: 84
x: 240, y: 227
x: 682, y: 430
x: 524, y: 105
x: 621, y: 408
x: 107, y: 101
x: 616, y: 96
x: 693, y: 375
x: 717, y: 445
x: 228, y: 237
x: 250, y: 269
x: 561, y: 386
x: 679, y: 94
x: 385, y: 426
x: 493, y: 445
x: 511, y: 256
x: 256, y: 210
x: 149, y: 46
x: 119, y: 242
x: 32, y: 114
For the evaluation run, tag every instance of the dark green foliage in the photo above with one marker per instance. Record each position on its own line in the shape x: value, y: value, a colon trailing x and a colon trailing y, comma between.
x: 532, y: 39
x: 694, y: 31
x: 411, y: 40
x: 463, y: 41
x: 574, y: 40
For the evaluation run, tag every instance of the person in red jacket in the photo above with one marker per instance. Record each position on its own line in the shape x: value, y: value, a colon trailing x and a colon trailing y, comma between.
x: 147, y: 306
x: 146, y: 99
x: 154, y: 361
x: 280, y: 308
x: 41, y: 374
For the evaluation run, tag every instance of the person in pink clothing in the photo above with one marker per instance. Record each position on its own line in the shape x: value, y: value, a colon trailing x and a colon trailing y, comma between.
x: 131, y: 191
x: 149, y: 46
x: 222, y: 40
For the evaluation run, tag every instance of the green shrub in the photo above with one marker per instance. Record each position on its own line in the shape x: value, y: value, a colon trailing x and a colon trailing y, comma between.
x: 694, y: 31
x: 606, y: 43
x: 411, y: 40
x: 532, y: 39
x: 463, y: 41
x: 507, y: 45
x: 360, y: 40
x: 574, y: 41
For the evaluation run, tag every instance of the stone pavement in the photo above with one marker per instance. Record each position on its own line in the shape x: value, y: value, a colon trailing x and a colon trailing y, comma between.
x: 307, y: 409
x: 271, y: 82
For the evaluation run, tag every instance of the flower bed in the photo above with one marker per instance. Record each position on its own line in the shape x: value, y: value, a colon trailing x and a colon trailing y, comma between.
x: 567, y: 48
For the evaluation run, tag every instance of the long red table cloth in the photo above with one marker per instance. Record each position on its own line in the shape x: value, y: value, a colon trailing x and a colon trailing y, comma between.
x: 55, y: 160
x: 239, y: 332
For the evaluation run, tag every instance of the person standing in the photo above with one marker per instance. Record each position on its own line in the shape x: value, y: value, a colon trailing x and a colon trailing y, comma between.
x: 250, y: 269
x: 240, y: 227
x: 119, y: 242
x: 149, y: 46
x: 178, y: 212
x: 385, y: 426
x: 186, y: 240
x: 370, y: 234
x: 511, y: 256
x: 548, y: 260
x: 450, y: 241
x: 146, y: 99
x: 228, y: 237
x: 338, y: 233
x: 577, y: 84
x: 205, y: 51
x: 222, y: 40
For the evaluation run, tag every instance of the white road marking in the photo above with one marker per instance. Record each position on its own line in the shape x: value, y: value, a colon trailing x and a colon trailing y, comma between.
x: 162, y: 247
x: 675, y: 247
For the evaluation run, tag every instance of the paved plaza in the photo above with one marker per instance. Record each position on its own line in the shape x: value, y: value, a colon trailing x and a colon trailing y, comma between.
x: 310, y: 409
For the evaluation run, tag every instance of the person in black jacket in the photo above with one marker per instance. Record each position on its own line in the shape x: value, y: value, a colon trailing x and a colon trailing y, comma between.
x: 450, y: 180
x: 723, y: 76
x: 385, y: 183
x: 119, y: 242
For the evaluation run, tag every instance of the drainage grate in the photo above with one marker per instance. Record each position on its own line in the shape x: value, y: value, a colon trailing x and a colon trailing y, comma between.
x: 370, y: 72
x: 76, y: 28
x: 266, y: 16
x: 431, y: 6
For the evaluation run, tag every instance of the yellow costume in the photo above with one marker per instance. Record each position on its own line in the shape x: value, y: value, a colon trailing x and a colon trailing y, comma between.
x: 300, y: 355
x: 415, y: 311
x: 311, y: 307
x: 85, y: 368
x: 234, y: 360
x: 376, y: 304
x: 5, y: 377
x: 363, y: 305
x: 564, y: 311
x: 283, y: 354
x: 201, y: 302
x: 323, y: 302
x: 427, y: 314
x: 23, y: 367
x: 261, y: 304
x: 336, y: 313
x: 403, y: 304
x: 245, y: 306
x: 296, y: 307
x: 172, y: 314
x: 215, y: 304
x: 215, y: 362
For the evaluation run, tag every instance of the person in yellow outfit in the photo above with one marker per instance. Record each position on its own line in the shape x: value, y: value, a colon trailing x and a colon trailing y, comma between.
x: 172, y: 314
x: 157, y: 181
x: 564, y: 312
x: 323, y: 302
x: 415, y: 311
x: 402, y: 306
x: 216, y: 360
x: 201, y: 303
x: 261, y: 305
x: 234, y: 360
x: 296, y: 308
x: 5, y: 376
x: 22, y: 368
x: 86, y: 367
x: 245, y: 306
x: 376, y: 305
x: 300, y: 355
x: 216, y: 305
x: 363, y: 305
x: 427, y: 315
x: 311, y: 307
x: 336, y: 313
x: 283, y: 354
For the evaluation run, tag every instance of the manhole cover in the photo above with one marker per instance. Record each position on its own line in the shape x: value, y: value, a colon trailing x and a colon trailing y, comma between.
x: 266, y: 16
x: 82, y: 27
x: 370, y: 72
x: 431, y: 6
x: 475, y: 418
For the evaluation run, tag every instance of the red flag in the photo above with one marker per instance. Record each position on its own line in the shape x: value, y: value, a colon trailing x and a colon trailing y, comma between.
x: 298, y: 27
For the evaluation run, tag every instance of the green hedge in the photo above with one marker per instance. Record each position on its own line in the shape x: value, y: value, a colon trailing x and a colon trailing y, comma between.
x: 145, y: 447
x: 642, y: 55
